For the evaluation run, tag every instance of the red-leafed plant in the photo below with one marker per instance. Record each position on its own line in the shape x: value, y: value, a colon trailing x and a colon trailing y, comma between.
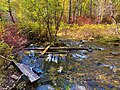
x: 81, y: 20
x: 13, y: 38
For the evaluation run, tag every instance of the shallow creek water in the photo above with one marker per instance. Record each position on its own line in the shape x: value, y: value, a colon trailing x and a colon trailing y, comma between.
x: 83, y: 70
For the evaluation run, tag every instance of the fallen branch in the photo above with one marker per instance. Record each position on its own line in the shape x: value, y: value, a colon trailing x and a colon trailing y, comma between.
x: 59, y: 48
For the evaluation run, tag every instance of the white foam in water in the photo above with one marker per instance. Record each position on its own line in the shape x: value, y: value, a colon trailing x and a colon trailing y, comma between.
x: 60, y: 70
x: 52, y: 58
x: 49, y: 58
x: 56, y: 59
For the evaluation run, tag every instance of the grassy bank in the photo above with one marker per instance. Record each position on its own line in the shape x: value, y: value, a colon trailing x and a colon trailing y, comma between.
x: 90, y: 32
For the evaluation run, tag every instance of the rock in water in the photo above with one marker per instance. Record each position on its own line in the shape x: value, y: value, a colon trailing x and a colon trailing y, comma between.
x: 115, y: 53
x: 83, y: 41
x: 78, y: 87
x: 101, y: 49
x: 45, y: 87
x: 81, y: 56
x: 15, y: 77
x: 37, y: 70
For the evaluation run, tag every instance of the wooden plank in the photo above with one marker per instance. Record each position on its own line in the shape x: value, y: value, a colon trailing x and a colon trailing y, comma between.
x: 23, y: 69
x: 27, y: 72
x: 59, y: 48
x: 45, y: 50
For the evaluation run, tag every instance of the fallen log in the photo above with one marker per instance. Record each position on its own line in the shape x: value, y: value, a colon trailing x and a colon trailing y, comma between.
x: 60, y: 48
x: 52, y: 52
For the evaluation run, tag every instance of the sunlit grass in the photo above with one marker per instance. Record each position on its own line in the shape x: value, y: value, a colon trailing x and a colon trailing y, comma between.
x: 92, y: 31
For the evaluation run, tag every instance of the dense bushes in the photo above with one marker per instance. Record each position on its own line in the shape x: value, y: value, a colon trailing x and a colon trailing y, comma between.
x: 5, y: 50
x: 10, y: 41
x: 83, y: 19
x: 33, y: 31
x: 12, y: 37
x: 39, y: 19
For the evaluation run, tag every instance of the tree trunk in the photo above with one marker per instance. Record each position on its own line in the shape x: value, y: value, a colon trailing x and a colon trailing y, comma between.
x: 57, y: 25
x: 91, y: 8
x: 113, y: 17
x: 57, y: 21
x: 10, y: 12
x: 70, y: 11
x: 49, y: 31
x: 48, y: 22
x: 80, y: 2
x: 99, y: 11
x: 77, y: 5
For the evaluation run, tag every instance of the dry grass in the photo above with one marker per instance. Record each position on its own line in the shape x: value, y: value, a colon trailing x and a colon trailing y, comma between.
x: 93, y: 31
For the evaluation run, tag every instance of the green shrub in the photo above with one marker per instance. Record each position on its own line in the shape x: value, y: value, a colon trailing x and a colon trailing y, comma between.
x: 5, y: 50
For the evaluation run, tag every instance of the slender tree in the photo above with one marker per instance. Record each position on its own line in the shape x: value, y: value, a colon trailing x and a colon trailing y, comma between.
x: 69, y: 11
x: 10, y: 12
x: 57, y: 19
x: 91, y: 8
x: 77, y: 7
x: 80, y: 2
x: 112, y: 14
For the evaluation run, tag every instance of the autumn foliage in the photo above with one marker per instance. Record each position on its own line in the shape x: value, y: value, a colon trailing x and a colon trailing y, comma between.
x: 12, y: 37
x: 81, y: 20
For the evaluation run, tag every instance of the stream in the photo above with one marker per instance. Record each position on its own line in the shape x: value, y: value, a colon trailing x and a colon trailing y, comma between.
x: 98, y: 69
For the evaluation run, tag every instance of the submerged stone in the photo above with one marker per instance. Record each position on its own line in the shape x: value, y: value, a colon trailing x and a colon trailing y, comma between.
x: 84, y: 52
x: 112, y: 67
x: 98, y: 64
x: 116, y: 69
x: 81, y: 45
x: 96, y: 48
x: 78, y: 87
x: 45, y: 87
x: 62, y: 82
x: 15, y: 77
x: 83, y: 41
x: 115, y: 53
x: 110, y: 86
x: 92, y: 84
x: 37, y: 70
x: 100, y: 48
x: 80, y: 56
